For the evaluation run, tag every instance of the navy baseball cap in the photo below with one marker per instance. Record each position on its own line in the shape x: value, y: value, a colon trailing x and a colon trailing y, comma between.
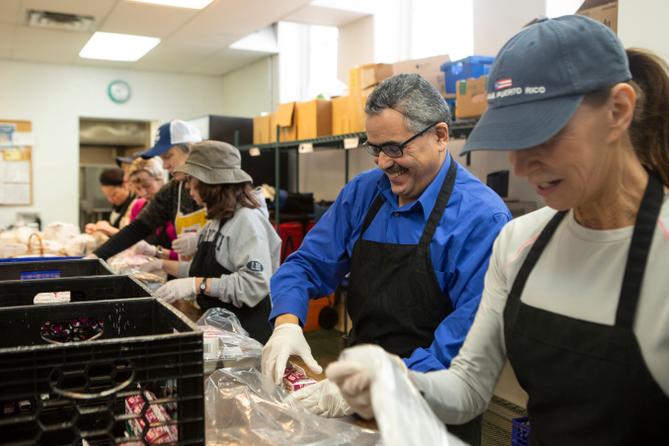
x: 171, y: 133
x: 540, y: 77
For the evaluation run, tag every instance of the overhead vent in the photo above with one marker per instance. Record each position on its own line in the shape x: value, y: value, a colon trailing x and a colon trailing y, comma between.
x: 59, y: 20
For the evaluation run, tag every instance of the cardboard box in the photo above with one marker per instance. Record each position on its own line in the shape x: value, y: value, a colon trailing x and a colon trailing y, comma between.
x: 348, y: 114
x: 421, y: 66
x: 373, y: 74
x: 261, y: 129
x: 604, y: 11
x: 284, y: 117
x: 314, y: 119
x: 470, y: 97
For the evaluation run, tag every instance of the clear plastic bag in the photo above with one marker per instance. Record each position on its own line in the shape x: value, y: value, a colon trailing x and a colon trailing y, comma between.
x: 227, y: 341
x: 243, y: 407
x: 403, y: 416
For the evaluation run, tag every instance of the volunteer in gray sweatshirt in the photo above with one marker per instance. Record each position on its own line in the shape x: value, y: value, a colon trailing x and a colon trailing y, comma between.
x: 238, y: 249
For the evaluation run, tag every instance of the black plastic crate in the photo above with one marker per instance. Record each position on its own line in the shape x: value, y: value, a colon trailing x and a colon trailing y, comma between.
x: 81, y: 289
x: 53, y: 269
x: 81, y: 392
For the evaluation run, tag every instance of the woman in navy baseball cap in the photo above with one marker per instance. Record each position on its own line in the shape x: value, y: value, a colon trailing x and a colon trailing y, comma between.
x: 576, y: 293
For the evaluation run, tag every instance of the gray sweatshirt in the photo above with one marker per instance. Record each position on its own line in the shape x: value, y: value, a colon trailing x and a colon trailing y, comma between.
x: 250, y: 248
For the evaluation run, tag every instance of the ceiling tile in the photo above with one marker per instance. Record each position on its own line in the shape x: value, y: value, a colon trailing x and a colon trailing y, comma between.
x: 174, y: 57
x: 225, y: 61
x: 9, y: 11
x: 318, y: 15
x: 146, y: 19
x: 47, y: 45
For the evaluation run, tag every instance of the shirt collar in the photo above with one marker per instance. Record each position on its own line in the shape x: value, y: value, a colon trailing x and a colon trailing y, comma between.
x: 427, y: 199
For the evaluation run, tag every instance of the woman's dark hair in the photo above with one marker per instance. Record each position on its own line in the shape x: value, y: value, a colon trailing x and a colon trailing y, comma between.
x: 222, y: 199
x: 112, y: 177
x: 649, y: 130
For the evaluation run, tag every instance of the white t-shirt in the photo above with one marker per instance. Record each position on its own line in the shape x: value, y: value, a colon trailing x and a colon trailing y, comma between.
x: 578, y: 275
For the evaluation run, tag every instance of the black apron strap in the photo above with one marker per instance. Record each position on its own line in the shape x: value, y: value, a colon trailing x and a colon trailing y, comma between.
x: 371, y: 213
x: 439, y: 206
x: 642, y: 238
x: 513, y: 299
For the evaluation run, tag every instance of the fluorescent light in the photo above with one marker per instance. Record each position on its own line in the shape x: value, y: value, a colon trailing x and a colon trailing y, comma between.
x: 112, y: 46
x: 190, y: 4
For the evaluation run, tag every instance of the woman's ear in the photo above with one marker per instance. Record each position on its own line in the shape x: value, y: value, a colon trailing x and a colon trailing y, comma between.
x: 622, y: 103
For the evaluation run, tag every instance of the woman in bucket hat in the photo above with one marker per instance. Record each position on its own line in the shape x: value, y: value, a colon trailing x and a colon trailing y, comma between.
x: 238, y: 249
x: 576, y: 293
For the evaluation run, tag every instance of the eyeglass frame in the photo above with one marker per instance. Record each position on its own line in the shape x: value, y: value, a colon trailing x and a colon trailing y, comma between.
x: 375, y: 150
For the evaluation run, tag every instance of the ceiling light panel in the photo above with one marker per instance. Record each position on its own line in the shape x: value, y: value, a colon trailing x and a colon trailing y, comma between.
x: 121, y: 47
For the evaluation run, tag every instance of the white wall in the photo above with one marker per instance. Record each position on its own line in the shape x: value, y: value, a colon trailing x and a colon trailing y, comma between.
x: 251, y: 90
x: 643, y: 24
x: 54, y: 97
x: 323, y: 172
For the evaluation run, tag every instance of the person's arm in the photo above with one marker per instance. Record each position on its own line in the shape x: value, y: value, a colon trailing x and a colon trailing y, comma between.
x: 462, y: 392
x: 152, y: 216
x: 320, y: 263
x: 467, y: 264
x: 176, y: 269
x: 247, y: 253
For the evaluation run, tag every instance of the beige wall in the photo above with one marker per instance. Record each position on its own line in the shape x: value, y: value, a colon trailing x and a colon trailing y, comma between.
x: 54, y: 97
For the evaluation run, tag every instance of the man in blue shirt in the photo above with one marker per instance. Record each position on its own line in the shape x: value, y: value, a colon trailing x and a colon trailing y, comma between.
x: 414, y: 234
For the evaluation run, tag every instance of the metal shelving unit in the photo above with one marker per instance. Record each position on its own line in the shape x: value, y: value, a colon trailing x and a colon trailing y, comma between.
x: 457, y: 129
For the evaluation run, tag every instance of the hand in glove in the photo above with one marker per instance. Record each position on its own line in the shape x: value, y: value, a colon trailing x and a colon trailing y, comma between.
x: 354, y: 378
x: 186, y: 244
x: 143, y: 248
x: 89, y: 228
x: 177, y: 289
x: 287, y: 339
x: 152, y: 265
x: 323, y: 399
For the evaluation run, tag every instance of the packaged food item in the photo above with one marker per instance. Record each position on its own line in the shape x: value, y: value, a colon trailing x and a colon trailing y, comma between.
x: 155, y: 414
x: 294, y: 378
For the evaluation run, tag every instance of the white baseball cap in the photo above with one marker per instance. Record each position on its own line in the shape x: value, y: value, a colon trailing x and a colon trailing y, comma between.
x: 171, y: 133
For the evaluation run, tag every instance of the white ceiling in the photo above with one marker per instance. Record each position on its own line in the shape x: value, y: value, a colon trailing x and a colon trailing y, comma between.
x: 193, y: 41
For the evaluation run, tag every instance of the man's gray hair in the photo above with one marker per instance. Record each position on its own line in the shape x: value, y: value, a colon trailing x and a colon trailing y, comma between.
x: 414, y: 97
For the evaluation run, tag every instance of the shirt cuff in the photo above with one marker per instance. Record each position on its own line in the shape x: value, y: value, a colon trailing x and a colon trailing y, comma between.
x: 183, y: 270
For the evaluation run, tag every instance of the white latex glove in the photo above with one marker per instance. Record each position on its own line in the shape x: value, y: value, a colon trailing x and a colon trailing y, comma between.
x: 286, y: 340
x: 144, y: 248
x: 153, y: 265
x: 323, y: 399
x: 354, y: 380
x: 177, y: 289
x: 186, y: 244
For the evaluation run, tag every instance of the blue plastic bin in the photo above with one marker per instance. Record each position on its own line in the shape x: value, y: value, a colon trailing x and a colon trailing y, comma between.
x: 472, y: 66
x: 520, y: 431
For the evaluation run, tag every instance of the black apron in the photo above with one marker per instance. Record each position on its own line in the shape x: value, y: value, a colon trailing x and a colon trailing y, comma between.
x: 588, y: 383
x: 394, y: 298
x: 121, y: 210
x: 254, y: 319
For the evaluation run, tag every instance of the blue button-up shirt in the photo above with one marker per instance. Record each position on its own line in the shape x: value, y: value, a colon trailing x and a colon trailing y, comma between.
x: 460, y: 250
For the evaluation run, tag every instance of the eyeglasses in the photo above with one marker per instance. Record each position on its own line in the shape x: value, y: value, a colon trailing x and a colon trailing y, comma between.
x: 391, y: 149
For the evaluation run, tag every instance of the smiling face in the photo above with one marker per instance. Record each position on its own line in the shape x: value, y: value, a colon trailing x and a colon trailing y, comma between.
x: 576, y: 167
x: 411, y: 173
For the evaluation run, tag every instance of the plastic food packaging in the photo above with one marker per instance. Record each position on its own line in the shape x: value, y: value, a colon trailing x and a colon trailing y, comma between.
x: 403, y: 416
x: 295, y: 378
x: 226, y: 342
x: 154, y: 414
x: 243, y: 407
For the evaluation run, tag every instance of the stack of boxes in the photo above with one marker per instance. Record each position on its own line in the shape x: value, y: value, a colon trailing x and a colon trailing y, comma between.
x: 346, y: 114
